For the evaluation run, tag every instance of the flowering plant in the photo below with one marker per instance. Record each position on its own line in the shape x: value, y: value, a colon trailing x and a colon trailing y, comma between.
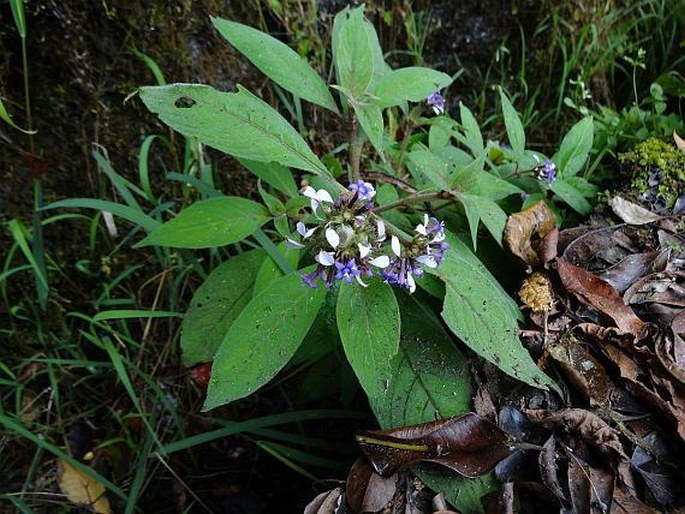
x: 379, y: 248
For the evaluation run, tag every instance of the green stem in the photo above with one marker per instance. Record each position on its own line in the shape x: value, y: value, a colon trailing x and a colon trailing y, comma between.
x: 417, y: 198
x: 355, y: 151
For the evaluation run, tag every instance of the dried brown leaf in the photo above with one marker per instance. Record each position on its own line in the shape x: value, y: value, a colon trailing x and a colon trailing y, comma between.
x: 82, y: 489
x: 538, y: 220
x: 468, y: 444
x: 631, y: 213
x: 367, y: 491
x: 679, y: 141
x: 596, y: 293
x: 325, y: 503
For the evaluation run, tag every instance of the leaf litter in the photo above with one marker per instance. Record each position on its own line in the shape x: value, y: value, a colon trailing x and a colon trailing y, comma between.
x: 612, y: 333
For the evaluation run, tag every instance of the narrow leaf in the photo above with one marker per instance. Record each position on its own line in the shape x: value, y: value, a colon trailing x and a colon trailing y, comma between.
x: 277, y: 61
x: 480, y: 208
x: 4, y: 115
x: 262, y: 339
x: 239, y: 124
x: 512, y: 121
x: 353, y: 52
x: 369, y: 325
x: 473, y: 138
x: 216, y: 304
x: 571, y: 196
x: 430, y: 167
x: 210, y: 223
x: 575, y: 148
x: 413, y: 84
x: 134, y: 215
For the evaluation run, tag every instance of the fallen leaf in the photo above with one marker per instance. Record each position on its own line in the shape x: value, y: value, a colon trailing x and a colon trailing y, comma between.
x: 628, y: 270
x: 538, y: 220
x: 325, y: 503
x: 679, y: 141
x: 367, y: 491
x: 468, y: 444
x: 82, y: 489
x: 661, y: 479
x: 549, y: 470
x: 596, y: 293
x: 630, y: 212
x: 581, y: 368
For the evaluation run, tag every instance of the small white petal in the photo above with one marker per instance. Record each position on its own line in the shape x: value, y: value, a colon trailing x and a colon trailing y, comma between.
x: 332, y: 237
x: 309, y: 192
x: 439, y: 237
x: 294, y: 244
x: 411, y: 282
x: 364, y: 250
x: 428, y: 261
x: 325, y: 258
x: 360, y: 281
x: 301, y: 228
x: 382, y: 261
x: 395, y: 245
x: 324, y: 196
x: 380, y: 226
x: 421, y: 229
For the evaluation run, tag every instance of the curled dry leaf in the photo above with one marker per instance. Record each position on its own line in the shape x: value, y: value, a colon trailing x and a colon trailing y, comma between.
x: 631, y: 213
x: 660, y: 477
x: 596, y: 293
x: 82, y: 489
x: 581, y: 368
x: 538, y: 220
x: 679, y: 141
x: 367, y: 491
x: 468, y: 444
x: 325, y: 503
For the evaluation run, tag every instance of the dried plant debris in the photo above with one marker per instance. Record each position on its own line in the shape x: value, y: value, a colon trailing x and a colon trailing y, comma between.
x: 605, y: 309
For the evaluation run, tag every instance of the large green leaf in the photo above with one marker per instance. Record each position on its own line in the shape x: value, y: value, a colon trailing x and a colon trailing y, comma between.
x: 277, y: 61
x: 271, y: 271
x: 575, y: 148
x: 512, y: 122
x: 353, y: 52
x: 239, y: 124
x: 369, y: 325
x: 413, y: 83
x: 262, y: 339
x: 430, y: 380
x: 481, y: 314
x: 216, y: 304
x: 210, y: 223
x: 371, y: 121
x: 479, y: 208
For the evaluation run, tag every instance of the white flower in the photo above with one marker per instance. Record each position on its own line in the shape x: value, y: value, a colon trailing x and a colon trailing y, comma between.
x: 428, y: 261
x: 316, y: 197
x: 395, y: 245
x: 304, y: 231
x: 364, y: 250
x: 325, y: 258
x: 382, y: 261
x: 380, y: 230
x: 332, y: 237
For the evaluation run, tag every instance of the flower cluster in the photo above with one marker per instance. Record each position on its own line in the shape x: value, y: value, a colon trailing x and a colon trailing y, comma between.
x: 437, y: 102
x: 547, y: 172
x: 347, y: 240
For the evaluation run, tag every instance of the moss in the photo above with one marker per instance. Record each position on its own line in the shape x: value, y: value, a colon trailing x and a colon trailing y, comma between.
x: 656, y: 171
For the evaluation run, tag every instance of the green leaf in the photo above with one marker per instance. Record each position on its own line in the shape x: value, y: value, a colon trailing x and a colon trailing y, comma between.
x: 414, y: 84
x: 473, y: 138
x: 495, y: 188
x: 262, y: 339
x: 353, y: 52
x: 584, y: 187
x: 480, y: 208
x: 430, y: 166
x: 481, y: 314
x: 571, y: 196
x: 369, y: 325
x: 512, y: 121
x: 239, y: 124
x: 270, y: 271
x: 274, y: 174
x: 430, y: 380
x: 440, y: 133
x: 210, y: 223
x: 123, y: 211
x: 216, y: 304
x: 575, y: 148
x: 277, y: 61
x: 17, y: 7
x: 4, y: 115
x: 371, y: 121
x: 468, y: 177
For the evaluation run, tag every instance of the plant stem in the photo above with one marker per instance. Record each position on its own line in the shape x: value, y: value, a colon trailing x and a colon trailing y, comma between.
x: 355, y: 151
x: 419, y: 197
x: 389, y: 179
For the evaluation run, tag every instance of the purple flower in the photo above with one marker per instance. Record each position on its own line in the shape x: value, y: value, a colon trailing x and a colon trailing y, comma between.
x: 547, y: 172
x: 346, y: 270
x: 437, y: 102
x: 364, y: 190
